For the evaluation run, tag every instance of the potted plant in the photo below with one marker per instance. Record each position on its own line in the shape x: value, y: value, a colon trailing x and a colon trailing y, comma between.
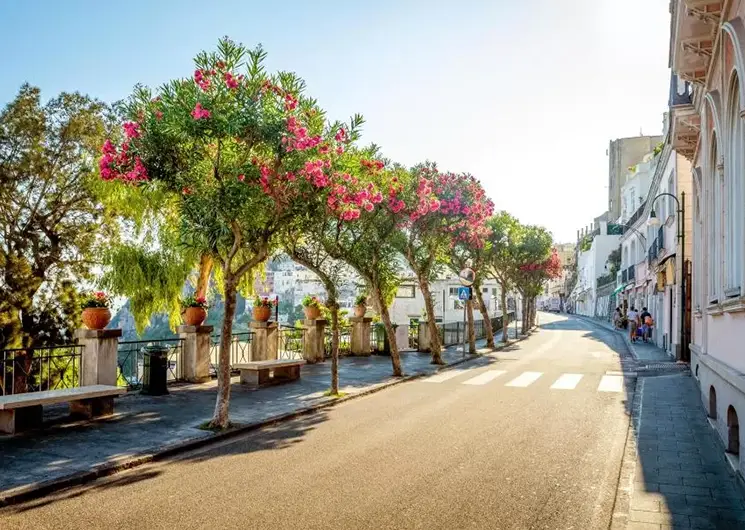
x: 194, y: 310
x: 311, y: 307
x: 96, y: 314
x: 263, y: 308
x: 360, y: 305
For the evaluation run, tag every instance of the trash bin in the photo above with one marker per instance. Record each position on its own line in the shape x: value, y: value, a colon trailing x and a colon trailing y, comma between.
x: 155, y: 370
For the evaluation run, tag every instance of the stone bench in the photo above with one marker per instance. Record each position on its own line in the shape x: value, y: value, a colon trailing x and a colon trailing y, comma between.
x: 261, y: 373
x: 19, y: 412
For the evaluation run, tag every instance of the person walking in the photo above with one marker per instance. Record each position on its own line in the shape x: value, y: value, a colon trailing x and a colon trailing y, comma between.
x: 617, y: 318
x: 633, y: 317
x: 645, y: 319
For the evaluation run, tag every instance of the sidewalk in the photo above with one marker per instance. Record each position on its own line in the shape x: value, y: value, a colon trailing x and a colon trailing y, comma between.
x: 641, y: 351
x: 145, y: 425
x: 681, y: 478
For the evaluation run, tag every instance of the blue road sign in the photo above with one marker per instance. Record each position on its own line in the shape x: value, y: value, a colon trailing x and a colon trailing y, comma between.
x: 464, y: 293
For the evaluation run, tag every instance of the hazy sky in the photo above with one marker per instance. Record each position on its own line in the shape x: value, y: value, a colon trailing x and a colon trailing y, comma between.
x: 523, y: 94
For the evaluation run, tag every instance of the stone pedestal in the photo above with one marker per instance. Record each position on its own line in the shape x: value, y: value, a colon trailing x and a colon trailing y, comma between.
x: 98, y: 364
x: 265, y: 341
x: 313, y: 340
x: 196, y: 356
x: 360, y: 336
x: 425, y: 342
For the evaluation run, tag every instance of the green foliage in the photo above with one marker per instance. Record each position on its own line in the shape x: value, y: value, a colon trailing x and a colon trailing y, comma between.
x: 360, y: 299
x: 502, y: 259
x: 311, y: 301
x: 614, y: 262
x: 264, y: 301
x: 152, y: 280
x: 95, y: 299
x: 51, y: 223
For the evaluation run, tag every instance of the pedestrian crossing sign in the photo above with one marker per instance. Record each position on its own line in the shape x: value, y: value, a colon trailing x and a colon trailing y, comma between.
x: 464, y: 293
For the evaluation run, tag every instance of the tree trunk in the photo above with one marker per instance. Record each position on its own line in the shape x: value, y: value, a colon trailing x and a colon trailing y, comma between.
x: 471, y: 330
x: 334, y: 309
x: 524, y: 316
x: 389, y: 331
x: 220, y: 418
x: 434, y: 333
x: 485, y: 315
x: 505, y: 319
x: 205, y: 269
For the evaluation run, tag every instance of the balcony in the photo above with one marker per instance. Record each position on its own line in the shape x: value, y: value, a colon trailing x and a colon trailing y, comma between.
x: 625, y: 275
x: 631, y: 273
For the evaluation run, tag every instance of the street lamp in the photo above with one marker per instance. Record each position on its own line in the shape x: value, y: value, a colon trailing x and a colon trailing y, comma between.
x: 654, y: 221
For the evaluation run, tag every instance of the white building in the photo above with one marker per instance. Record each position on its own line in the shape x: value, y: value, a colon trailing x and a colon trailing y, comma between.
x: 409, y: 302
x: 592, y: 257
x: 708, y: 128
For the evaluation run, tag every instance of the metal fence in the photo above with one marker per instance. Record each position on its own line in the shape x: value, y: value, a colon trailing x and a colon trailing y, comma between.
x: 345, y: 341
x: 38, y: 369
x: 130, y: 361
x: 290, y: 343
x: 451, y: 333
x: 240, y: 350
x: 378, y: 339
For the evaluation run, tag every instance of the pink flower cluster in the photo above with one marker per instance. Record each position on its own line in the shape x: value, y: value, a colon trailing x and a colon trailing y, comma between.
x: 313, y: 171
x: 372, y: 165
x: 131, y: 129
x: 200, y: 112
x: 201, y: 79
x: 120, y: 165
x: 299, y: 141
x: 230, y: 81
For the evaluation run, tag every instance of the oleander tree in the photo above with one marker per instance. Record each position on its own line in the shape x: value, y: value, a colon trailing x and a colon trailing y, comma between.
x: 366, y: 245
x: 538, y: 262
x: 502, y: 260
x: 436, y: 211
x: 240, y: 153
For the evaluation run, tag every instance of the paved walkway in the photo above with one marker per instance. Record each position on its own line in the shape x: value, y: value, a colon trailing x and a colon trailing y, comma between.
x: 681, y: 477
x: 146, y: 424
x: 642, y: 351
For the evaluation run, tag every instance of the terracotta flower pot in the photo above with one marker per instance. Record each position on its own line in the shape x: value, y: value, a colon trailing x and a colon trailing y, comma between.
x: 360, y: 310
x: 96, y: 317
x: 312, y: 313
x: 195, y: 316
x: 262, y: 313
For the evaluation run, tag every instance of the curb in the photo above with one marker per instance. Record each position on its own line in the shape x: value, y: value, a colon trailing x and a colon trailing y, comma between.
x: 627, y: 472
x: 38, y: 489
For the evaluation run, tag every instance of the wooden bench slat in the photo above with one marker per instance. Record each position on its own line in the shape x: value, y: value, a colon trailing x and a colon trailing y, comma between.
x: 63, y: 395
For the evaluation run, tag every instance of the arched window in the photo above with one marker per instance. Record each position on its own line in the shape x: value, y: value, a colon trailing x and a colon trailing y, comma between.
x: 732, y: 206
x: 714, y: 192
x: 733, y: 431
x: 698, y: 269
x: 712, y: 403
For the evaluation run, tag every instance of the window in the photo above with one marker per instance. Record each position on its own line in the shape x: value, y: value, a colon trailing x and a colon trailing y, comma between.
x: 733, y: 233
x: 406, y: 291
x: 671, y: 207
x: 453, y: 292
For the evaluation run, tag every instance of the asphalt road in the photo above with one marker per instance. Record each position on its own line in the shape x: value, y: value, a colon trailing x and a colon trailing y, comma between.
x: 492, y: 446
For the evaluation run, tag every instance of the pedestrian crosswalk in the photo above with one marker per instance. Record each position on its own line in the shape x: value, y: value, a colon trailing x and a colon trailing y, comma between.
x: 610, y: 382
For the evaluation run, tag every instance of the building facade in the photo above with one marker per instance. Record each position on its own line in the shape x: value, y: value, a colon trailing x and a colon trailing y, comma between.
x: 707, y: 49
x: 624, y: 153
x: 592, y: 257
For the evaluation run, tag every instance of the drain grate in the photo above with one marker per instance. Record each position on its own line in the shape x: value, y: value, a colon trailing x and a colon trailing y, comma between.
x: 665, y: 366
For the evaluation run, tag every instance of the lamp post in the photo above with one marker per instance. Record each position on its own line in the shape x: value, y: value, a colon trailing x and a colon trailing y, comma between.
x: 654, y: 221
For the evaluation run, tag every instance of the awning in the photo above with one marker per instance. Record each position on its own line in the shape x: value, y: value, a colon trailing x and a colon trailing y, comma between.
x: 621, y: 287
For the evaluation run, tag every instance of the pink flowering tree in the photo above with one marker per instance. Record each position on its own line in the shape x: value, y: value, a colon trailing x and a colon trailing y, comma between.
x: 435, y: 211
x: 240, y: 153
x: 366, y: 244
x: 538, y: 262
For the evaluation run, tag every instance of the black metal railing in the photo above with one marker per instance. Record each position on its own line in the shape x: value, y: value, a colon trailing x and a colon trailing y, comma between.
x: 624, y: 275
x: 37, y: 369
x: 631, y: 273
x: 240, y: 350
x: 345, y: 341
x: 130, y: 360
x: 290, y: 344
x: 634, y: 218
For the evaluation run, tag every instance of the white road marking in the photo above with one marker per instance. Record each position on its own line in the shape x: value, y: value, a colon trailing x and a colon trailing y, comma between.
x: 484, y: 378
x: 444, y: 376
x: 567, y: 382
x: 611, y: 383
x: 525, y: 379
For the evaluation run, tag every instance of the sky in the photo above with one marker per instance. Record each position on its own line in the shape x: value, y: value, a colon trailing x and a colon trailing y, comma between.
x: 523, y: 94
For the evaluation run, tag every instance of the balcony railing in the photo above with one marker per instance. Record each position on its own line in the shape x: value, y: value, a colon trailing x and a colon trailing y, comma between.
x: 625, y: 275
x: 631, y: 274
